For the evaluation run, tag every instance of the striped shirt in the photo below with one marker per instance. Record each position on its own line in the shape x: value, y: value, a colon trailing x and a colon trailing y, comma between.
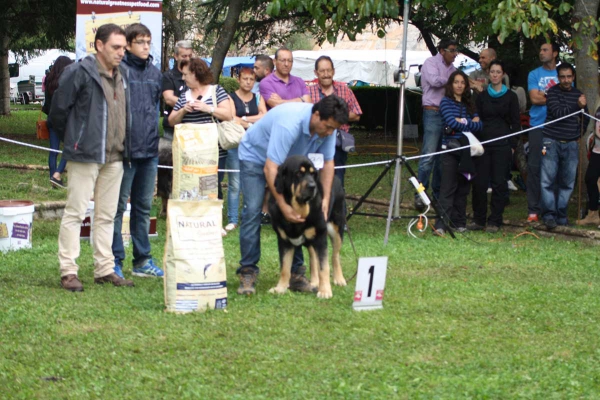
x: 452, y: 109
x: 199, y: 117
x: 560, y: 103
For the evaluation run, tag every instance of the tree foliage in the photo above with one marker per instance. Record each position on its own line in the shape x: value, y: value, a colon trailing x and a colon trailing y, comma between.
x: 27, y: 26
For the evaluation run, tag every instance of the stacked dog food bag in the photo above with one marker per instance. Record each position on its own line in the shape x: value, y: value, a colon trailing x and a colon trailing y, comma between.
x: 195, y: 275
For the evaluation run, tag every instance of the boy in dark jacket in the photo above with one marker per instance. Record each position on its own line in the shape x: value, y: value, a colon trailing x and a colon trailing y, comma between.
x: 139, y: 171
x: 89, y: 112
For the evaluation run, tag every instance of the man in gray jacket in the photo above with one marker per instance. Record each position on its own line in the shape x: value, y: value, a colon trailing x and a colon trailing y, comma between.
x: 90, y: 113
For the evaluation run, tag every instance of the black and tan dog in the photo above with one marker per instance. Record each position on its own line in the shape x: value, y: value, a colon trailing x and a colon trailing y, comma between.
x: 298, y: 181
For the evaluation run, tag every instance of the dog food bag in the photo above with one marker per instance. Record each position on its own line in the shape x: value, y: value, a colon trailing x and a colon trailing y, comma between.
x: 195, y: 162
x: 195, y: 277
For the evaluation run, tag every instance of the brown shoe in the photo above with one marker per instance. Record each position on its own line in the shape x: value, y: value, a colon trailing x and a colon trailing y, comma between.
x: 591, y: 219
x: 114, y: 279
x: 248, y: 277
x: 71, y: 282
x: 299, y: 282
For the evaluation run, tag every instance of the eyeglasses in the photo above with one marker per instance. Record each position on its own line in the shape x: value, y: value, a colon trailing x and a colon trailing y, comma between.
x: 247, y: 108
x: 286, y: 61
x: 143, y: 42
x: 452, y: 51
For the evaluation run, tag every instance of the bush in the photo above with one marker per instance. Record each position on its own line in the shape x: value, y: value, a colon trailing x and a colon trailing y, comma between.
x: 229, y: 84
x: 380, y: 106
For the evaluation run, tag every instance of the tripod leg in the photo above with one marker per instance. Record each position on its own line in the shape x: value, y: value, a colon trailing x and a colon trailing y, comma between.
x: 373, y: 186
x: 392, y: 203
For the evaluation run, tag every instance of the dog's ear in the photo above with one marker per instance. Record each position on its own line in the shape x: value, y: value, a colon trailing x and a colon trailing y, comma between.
x: 279, y: 179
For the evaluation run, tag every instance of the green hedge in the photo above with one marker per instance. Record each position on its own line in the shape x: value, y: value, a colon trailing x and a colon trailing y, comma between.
x: 380, y: 107
x: 229, y: 84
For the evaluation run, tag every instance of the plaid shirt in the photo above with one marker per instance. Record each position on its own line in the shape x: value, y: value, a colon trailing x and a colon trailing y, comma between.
x: 342, y: 90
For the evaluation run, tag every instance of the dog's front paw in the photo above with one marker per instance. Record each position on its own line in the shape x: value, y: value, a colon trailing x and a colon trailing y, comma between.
x: 340, y: 281
x: 278, y: 290
x: 325, y: 293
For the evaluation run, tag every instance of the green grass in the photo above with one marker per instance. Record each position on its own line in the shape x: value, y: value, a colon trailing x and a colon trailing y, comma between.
x: 483, y: 316
x: 492, y: 319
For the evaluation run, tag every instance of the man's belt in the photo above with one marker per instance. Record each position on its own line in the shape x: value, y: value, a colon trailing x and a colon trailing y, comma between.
x: 434, y: 108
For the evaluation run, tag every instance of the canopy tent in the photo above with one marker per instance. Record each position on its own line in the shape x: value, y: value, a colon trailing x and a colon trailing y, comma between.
x: 234, y: 62
x: 371, y: 66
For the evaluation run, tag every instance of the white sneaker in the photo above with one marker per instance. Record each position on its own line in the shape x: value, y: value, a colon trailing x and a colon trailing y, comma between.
x: 489, y: 190
x: 511, y: 186
x: 230, y: 227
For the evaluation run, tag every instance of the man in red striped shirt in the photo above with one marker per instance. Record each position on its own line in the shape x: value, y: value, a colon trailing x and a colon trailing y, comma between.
x: 326, y: 86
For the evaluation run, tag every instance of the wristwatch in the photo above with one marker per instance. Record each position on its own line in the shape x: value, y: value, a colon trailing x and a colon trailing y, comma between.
x: 244, y: 118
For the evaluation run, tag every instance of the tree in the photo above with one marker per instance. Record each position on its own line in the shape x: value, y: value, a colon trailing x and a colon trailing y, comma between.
x: 27, y: 26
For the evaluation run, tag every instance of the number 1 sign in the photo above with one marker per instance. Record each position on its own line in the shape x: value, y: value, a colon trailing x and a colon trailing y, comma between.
x: 370, y: 283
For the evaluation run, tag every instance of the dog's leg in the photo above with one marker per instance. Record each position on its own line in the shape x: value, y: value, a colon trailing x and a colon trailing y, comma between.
x: 336, y: 240
x: 314, y: 267
x: 324, y: 282
x: 286, y: 255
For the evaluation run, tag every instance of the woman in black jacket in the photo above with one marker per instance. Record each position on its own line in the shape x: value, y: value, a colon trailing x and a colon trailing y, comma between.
x: 51, y: 85
x: 498, y: 108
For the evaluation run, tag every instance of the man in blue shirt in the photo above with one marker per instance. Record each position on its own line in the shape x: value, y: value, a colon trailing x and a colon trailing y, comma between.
x: 286, y: 130
x: 539, y: 81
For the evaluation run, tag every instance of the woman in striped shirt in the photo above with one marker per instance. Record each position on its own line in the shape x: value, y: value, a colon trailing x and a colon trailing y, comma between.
x: 458, y: 115
x: 196, y: 106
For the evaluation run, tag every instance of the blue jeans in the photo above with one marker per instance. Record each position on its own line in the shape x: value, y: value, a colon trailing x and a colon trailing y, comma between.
x: 558, y: 170
x: 253, y: 183
x: 52, y: 156
x: 432, y: 142
x: 140, y: 175
x: 233, y: 187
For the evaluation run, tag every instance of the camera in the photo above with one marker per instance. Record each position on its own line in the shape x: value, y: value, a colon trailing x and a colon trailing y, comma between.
x: 448, y: 131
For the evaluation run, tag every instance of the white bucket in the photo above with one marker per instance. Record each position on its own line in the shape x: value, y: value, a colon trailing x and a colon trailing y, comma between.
x: 16, y: 224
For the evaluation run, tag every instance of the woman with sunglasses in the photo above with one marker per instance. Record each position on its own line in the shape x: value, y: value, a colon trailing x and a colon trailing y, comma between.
x: 249, y: 108
x: 498, y: 108
x: 458, y: 115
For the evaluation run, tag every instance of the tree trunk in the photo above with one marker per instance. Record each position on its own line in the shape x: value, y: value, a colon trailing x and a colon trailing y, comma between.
x: 225, y: 38
x: 4, y: 77
x: 587, y: 75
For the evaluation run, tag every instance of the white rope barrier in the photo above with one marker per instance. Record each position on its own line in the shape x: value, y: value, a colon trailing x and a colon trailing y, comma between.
x: 355, y: 165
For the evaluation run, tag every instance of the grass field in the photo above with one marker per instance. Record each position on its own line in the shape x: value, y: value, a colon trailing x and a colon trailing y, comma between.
x: 483, y: 316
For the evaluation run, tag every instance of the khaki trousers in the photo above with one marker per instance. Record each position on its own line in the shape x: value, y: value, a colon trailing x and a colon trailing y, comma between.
x: 104, y: 182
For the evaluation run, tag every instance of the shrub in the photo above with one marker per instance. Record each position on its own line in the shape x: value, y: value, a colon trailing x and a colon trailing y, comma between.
x: 229, y: 84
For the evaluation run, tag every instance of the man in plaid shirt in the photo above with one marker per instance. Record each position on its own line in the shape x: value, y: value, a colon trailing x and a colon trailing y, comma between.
x: 326, y: 86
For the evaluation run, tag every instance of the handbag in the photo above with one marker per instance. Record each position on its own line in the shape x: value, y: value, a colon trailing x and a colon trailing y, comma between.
x: 230, y: 133
x: 41, y: 128
x: 345, y: 141
x: 476, y: 146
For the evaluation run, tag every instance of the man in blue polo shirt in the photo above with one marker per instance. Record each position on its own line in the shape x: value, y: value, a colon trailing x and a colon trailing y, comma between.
x: 540, y: 80
x: 286, y: 130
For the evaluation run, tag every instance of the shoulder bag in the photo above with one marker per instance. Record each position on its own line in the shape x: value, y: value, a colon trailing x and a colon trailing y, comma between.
x: 41, y: 128
x: 230, y: 133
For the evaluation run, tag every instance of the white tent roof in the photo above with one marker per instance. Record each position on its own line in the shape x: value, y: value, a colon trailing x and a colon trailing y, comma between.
x: 37, y: 66
x: 371, y: 66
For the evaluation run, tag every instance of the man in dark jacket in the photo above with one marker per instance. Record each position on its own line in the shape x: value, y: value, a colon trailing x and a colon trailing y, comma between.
x: 560, y: 146
x: 139, y: 170
x: 90, y: 113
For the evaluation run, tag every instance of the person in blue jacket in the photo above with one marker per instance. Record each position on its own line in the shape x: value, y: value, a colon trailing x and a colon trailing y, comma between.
x: 139, y: 171
x: 458, y: 116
